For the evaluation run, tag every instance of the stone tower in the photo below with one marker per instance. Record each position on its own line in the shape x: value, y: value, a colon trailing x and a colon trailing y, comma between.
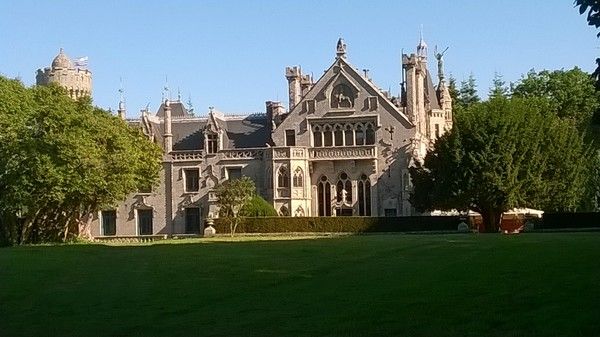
x: 75, y: 78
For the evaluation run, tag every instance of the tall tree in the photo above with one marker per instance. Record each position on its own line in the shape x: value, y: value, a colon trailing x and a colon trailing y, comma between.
x: 592, y: 7
x: 499, y: 88
x: 233, y: 196
x: 64, y: 161
x: 501, y: 154
x: 570, y: 93
x: 467, y: 94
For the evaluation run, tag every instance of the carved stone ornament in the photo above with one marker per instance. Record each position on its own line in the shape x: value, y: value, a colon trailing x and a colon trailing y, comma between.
x: 141, y: 203
x: 342, y: 97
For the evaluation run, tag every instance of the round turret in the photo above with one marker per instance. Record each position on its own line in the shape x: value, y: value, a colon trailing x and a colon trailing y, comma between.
x: 61, y: 61
x: 76, y: 80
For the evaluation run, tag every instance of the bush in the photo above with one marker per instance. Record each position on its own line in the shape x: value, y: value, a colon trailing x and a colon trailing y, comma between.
x: 258, y: 207
x: 342, y: 224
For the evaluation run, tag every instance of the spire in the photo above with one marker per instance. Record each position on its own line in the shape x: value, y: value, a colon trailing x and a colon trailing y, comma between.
x: 341, y: 49
x: 422, y: 46
x: 121, y: 111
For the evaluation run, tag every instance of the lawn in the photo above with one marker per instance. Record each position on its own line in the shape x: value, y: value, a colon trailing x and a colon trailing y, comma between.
x: 545, y: 284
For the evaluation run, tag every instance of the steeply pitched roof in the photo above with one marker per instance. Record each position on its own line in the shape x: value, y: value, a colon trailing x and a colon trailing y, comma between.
x: 430, y: 92
x: 177, y: 110
x: 246, y: 132
x: 188, y: 134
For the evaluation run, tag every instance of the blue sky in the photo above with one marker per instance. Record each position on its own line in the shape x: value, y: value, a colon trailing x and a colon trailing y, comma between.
x: 232, y: 54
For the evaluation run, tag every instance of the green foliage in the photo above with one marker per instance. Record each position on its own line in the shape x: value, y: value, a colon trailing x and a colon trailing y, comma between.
x: 501, y: 154
x: 467, y: 94
x: 342, y: 224
x: 257, y: 206
x: 499, y: 88
x: 64, y: 161
x: 232, y: 196
x: 570, y: 93
x: 592, y: 7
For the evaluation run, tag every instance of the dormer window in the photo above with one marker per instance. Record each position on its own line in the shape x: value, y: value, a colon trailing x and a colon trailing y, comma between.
x: 212, y: 143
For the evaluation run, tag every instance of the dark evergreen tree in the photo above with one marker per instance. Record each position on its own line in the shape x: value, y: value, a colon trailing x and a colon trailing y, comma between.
x: 501, y: 154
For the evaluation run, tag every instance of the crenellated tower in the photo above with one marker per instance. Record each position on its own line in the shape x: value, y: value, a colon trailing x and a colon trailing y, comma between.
x: 76, y: 78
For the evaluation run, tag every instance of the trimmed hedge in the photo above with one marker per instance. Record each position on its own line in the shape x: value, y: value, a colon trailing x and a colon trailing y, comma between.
x: 342, y: 224
x: 569, y: 220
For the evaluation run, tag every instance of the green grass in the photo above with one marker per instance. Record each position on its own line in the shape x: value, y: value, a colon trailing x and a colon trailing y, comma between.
x: 378, y: 285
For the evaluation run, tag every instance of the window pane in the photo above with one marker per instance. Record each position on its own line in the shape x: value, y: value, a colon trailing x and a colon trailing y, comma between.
x: 327, y: 137
x: 192, y: 220
x: 360, y: 136
x: 290, y: 138
x: 370, y: 135
x: 109, y: 222
x: 338, y: 136
x: 234, y: 173
x: 192, y: 180
x: 318, y: 141
x: 145, y: 221
x: 349, y: 136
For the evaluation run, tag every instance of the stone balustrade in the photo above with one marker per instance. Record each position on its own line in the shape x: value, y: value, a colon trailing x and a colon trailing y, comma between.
x: 242, y: 154
x: 187, y: 155
x: 343, y: 153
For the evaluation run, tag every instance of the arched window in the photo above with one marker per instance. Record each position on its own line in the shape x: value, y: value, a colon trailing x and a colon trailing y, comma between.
x: 298, y: 177
x: 364, y: 196
x: 360, y: 135
x: 370, y: 134
x: 349, y: 135
x: 338, y: 135
x: 324, y: 195
x: 327, y: 136
x: 283, y: 211
x: 317, y: 137
x: 283, y: 179
x: 344, y: 189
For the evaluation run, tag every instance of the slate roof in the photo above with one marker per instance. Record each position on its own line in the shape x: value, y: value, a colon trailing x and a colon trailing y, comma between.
x: 430, y: 92
x: 246, y: 132
x: 188, y: 135
x: 177, y: 110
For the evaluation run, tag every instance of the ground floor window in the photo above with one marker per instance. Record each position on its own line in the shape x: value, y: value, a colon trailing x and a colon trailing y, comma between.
x: 390, y: 212
x: 109, y: 222
x: 324, y: 197
x: 192, y: 220
x: 364, y: 196
x: 144, y: 219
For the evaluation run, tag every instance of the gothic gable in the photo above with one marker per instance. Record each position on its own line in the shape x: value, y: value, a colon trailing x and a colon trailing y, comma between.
x: 341, y: 93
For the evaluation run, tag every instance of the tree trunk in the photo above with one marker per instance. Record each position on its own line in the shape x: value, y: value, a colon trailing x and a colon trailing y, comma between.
x: 491, y: 220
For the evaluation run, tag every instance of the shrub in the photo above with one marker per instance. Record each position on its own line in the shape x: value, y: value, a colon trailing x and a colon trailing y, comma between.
x: 257, y: 206
x: 342, y: 224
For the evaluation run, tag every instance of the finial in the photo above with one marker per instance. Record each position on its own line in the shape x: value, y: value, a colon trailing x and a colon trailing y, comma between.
x: 422, y: 46
x: 178, y: 95
x: 341, y: 48
x: 166, y: 94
